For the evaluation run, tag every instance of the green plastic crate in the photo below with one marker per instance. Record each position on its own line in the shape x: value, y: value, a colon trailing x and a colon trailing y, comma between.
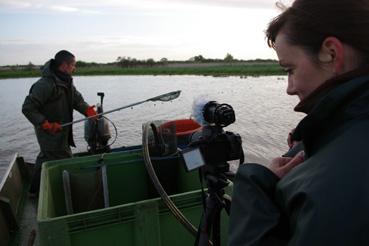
x: 136, y: 215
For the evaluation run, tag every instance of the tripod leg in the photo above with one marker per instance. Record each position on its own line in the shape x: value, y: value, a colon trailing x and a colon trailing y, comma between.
x: 210, y: 222
x: 216, y: 228
x: 227, y: 203
x: 202, y: 237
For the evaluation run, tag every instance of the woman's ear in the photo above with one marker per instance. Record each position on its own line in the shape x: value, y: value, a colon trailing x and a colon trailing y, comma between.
x: 332, y: 53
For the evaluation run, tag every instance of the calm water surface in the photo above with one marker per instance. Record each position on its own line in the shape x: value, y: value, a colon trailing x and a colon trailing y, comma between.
x: 264, y: 113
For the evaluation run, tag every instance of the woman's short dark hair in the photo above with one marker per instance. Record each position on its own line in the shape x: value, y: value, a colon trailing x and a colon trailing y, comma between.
x: 308, y: 22
x: 63, y: 56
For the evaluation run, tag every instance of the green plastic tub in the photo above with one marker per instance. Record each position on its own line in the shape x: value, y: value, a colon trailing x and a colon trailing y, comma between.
x: 135, y: 214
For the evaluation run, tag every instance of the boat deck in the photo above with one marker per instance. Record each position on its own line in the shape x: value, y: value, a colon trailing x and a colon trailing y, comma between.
x: 18, y: 212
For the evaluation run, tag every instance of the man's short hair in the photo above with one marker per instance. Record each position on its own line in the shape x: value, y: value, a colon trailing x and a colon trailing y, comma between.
x: 63, y: 56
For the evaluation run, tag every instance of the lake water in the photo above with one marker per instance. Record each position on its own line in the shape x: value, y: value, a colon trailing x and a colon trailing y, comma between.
x: 264, y: 112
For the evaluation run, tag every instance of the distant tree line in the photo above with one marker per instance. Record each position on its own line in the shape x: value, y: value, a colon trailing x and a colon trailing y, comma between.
x: 123, y: 61
x: 126, y: 62
x: 200, y: 59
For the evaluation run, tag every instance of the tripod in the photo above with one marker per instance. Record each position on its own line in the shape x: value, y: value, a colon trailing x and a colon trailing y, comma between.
x: 213, y: 205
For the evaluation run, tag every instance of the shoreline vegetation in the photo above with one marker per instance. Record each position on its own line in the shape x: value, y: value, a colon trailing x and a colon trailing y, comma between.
x: 128, y: 66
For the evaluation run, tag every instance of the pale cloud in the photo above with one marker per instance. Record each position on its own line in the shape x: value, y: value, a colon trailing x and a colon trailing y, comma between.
x: 175, y: 29
x: 101, y: 42
x: 42, y: 5
x: 108, y: 48
x: 233, y: 3
x: 63, y: 8
x: 15, y: 4
x: 67, y: 9
x: 5, y: 42
x: 74, y: 5
x: 136, y: 41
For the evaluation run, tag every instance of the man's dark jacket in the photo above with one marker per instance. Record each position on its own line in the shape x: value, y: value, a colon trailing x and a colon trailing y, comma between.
x: 53, y: 99
x: 325, y: 199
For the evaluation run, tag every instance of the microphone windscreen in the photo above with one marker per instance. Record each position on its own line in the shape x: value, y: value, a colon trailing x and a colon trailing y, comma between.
x: 197, y: 109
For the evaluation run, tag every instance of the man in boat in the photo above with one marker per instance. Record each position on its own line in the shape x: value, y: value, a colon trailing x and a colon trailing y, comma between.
x: 50, y: 103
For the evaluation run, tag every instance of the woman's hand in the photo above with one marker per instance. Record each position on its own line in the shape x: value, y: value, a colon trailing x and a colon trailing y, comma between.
x: 280, y: 166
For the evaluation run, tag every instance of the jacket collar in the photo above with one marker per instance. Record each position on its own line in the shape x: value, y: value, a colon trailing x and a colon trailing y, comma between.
x: 344, y: 98
x: 308, y: 103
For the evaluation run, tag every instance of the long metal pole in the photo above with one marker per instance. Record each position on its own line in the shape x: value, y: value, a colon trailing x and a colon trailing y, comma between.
x: 123, y: 107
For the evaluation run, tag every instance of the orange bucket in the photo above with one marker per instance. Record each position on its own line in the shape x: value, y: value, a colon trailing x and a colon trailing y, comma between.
x: 184, y: 129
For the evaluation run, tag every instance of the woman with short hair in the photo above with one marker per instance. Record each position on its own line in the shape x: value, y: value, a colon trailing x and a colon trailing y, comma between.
x: 321, y: 195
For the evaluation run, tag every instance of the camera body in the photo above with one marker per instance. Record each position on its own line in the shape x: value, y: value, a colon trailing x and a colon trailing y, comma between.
x: 212, y: 147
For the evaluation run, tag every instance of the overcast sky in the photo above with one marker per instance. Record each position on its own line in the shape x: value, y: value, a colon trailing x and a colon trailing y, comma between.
x: 100, y: 31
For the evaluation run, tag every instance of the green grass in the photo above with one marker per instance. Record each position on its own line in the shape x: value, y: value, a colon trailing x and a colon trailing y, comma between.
x: 19, y: 74
x: 251, y: 69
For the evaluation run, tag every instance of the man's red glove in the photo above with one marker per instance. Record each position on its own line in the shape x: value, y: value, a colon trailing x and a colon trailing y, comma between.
x: 91, y: 112
x: 52, y: 127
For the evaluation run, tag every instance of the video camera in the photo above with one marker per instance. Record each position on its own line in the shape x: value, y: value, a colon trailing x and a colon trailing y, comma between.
x: 212, y: 147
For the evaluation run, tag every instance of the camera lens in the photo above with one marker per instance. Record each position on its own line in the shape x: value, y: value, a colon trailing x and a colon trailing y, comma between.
x: 219, y: 114
x: 224, y: 115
